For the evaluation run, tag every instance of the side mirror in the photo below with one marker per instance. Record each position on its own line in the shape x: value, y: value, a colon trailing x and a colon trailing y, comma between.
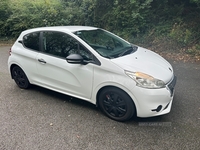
x: 75, y: 59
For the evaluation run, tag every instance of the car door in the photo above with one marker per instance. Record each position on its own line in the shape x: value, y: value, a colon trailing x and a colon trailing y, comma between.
x: 56, y: 73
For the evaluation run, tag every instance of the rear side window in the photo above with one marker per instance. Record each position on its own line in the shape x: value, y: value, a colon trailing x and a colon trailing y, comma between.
x: 31, y: 41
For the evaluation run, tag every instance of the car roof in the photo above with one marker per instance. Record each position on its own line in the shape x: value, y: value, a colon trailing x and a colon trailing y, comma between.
x: 60, y: 28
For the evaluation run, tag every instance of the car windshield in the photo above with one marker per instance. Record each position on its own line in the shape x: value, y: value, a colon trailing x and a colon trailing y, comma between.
x: 105, y: 43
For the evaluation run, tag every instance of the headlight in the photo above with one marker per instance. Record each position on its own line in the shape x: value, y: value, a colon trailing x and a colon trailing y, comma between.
x: 145, y: 80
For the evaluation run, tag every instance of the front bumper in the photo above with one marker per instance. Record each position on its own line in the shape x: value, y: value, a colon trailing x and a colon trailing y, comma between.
x: 154, y: 102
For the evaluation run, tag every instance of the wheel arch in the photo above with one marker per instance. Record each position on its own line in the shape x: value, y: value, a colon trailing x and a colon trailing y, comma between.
x: 11, y: 67
x: 112, y: 86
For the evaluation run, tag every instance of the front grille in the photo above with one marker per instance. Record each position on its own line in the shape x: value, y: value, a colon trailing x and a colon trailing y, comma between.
x: 171, y: 85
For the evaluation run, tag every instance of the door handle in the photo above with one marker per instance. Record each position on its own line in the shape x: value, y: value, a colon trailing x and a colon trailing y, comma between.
x: 42, y: 61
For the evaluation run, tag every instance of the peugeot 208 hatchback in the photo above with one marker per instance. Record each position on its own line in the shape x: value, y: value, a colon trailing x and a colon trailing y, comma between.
x: 94, y: 65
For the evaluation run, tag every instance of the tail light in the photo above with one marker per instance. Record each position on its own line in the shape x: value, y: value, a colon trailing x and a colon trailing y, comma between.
x: 10, y: 51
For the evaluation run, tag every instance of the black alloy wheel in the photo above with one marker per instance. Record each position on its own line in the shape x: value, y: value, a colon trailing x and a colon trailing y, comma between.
x: 20, y: 77
x: 116, y: 104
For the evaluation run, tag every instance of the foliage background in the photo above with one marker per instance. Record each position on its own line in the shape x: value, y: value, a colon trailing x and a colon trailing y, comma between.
x: 172, y: 25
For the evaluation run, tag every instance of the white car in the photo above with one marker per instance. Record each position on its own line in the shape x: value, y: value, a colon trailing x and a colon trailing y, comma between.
x: 94, y: 65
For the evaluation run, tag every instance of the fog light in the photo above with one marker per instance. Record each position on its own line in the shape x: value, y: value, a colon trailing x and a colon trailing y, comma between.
x: 158, y: 108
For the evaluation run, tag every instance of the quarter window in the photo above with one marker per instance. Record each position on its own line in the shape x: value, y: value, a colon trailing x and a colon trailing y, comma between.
x: 31, y: 41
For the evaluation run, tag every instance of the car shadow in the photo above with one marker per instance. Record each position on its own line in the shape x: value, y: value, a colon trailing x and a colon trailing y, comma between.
x: 63, y: 97
x: 82, y: 103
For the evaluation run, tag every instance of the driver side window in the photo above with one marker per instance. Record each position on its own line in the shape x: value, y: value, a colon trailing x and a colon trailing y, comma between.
x: 62, y: 45
x: 57, y: 43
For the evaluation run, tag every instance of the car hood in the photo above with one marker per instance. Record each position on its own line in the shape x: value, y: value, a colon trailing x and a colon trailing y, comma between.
x: 147, y: 62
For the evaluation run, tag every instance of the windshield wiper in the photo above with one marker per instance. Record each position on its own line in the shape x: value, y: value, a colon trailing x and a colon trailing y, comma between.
x: 129, y: 50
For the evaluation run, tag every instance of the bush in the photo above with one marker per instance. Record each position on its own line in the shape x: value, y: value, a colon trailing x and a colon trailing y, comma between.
x: 145, y: 21
x: 29, y: 14
x: 4, y: 15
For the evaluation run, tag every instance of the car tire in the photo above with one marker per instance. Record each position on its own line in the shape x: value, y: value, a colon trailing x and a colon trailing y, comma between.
x: 116, y: 104
x: 20, y: 77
